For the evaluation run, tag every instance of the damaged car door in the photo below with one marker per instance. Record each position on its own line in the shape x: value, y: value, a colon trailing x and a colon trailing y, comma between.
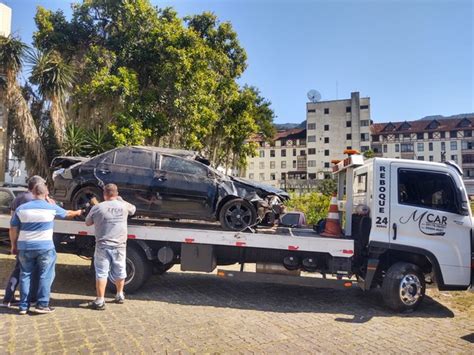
x: 186, y: 189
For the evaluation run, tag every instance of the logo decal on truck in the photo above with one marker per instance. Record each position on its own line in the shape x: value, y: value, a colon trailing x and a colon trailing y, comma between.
x: 428, y: 223
x: 381, y: 221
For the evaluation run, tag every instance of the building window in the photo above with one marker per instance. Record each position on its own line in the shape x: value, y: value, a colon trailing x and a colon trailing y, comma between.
x: 302, y: 152
x: 364, y: 107
x: 311, y: 110
x: 272, y: 153
x: 261, y: 165
x: 453, y: 134
x: 348, y: 109
x: 465, y: 145
x: 421, y: 157
x: 348, y: 147
x: 283, y: 176
x: 431, y: 158
x: 467, y: 133
x: 283, y: 164
x: 326, y: 152
x: 326, y: 111
x: 311, y: 151
x: 294, y: 164
x: 443, y: 146
x: 364, y: 137
x: 312, y: 176
x: 442, y: 134
x: 262, y: 154
x: 407, y: 147
x: 453, y: 145
x: 326, y: 139
x: 348, y: 136
x: 376, y: 138
x: 311, y: 126
x: 326, y: 165
x: 364, y: 148
x: 311, y: 163
x: 430, y: 146
x: 272, y: 165
x: 272, y: 176
x: 420, y: 147
x: 252, y: 165
x: 348, y: 123
x: 430, y: 135
x: 385, y: 148
x: 283, y: 152
x: 454, y: 158
x: 364, y: 123
x: 397, y: 147
x: 311, y: 138
x: 251, y: 176
x: 326, y: 127
x: 261, y: 177
x: 419, y: 136
x: 294, y: 152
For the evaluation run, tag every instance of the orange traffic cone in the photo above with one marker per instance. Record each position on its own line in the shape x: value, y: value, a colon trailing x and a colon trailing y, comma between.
x: 333, y: 227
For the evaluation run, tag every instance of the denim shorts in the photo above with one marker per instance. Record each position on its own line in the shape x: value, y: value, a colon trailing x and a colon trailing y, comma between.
x: 110, y: 262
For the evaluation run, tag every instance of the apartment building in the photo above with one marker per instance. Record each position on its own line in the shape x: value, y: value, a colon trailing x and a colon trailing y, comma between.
x: 432, y: 140
x: 280, y: 159
x: 332, y: 127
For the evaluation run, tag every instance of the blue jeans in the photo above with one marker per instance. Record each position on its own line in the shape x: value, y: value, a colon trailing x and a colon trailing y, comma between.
x: 44, y: 261
x: 13, y: 282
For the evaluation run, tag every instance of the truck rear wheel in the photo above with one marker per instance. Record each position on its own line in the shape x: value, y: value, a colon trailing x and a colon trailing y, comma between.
x: 403, y: 287
x: 139, y: 270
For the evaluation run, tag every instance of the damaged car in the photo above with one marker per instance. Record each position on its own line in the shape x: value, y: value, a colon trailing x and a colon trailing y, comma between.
x: 168, y: 183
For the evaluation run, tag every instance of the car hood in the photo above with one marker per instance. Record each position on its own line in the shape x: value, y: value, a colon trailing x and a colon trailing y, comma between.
x: 264, y: 187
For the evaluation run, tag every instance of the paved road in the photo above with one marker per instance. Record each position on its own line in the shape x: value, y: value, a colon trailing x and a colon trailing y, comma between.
x: 188, y: 313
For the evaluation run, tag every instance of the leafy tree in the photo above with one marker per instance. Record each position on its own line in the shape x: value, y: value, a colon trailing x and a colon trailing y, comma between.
x: 368, y: 154
x: 314, y: 205
x: 327, y: 187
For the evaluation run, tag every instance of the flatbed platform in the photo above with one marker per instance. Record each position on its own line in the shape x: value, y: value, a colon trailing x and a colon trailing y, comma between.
x: 280, y: 238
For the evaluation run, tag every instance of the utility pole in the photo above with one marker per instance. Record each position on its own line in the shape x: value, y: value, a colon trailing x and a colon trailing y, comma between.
x: 5, y: 30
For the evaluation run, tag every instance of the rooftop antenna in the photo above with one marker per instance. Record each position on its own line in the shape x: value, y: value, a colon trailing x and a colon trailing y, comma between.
x: 314, y: 95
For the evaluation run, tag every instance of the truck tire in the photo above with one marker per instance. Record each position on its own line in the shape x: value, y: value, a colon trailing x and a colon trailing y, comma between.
x: 403, y: 287
x: 139, y: 270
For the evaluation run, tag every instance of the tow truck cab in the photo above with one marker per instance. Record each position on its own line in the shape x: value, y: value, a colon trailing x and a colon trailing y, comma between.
x: 418, y: 218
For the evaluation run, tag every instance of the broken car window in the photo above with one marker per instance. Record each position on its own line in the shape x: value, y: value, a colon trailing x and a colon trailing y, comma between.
x: 177, y: 165
x: 134, y: 157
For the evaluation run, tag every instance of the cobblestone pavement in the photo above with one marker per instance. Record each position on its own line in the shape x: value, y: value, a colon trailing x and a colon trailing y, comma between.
x: 188, y: 313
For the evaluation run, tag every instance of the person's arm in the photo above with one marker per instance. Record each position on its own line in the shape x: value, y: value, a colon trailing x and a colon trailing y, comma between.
x: 13, y: 232
x: 13, y: 240
x: 69, y: 214
x: 130, y: 208
x: 90, y: 216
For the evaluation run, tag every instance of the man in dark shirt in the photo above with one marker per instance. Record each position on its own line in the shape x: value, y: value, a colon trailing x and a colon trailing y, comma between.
x: 13, y: 280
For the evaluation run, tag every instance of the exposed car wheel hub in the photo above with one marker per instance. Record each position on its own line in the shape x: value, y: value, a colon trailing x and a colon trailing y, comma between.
x: 239, y: 215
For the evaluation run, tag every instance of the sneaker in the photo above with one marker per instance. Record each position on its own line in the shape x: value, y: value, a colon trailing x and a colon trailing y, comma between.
x: 119, y: 299
x: 32, y: 304
x: 22, y: 312
x: 43, y: 310
x: 96, y: 306
x: 13, y: 303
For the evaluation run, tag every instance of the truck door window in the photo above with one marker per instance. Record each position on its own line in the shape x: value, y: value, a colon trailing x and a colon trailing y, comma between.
x: 426, y: 189
x: 360, y: 184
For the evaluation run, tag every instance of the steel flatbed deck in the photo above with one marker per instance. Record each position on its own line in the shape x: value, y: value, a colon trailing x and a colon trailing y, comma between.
x: 281, y: 238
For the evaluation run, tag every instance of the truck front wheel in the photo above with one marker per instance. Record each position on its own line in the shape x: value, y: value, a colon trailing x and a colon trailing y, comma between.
x: 403, y: 287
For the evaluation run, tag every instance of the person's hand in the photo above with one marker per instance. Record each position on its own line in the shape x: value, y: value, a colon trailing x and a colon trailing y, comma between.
x: 94, y: 201
x: 13, y: 250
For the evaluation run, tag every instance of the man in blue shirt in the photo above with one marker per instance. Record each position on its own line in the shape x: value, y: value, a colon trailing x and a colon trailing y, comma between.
x: 31, y: 235
x: 14, y: 279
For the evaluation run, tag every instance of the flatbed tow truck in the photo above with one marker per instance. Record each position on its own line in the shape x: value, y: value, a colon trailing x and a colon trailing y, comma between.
x: 406, y: 223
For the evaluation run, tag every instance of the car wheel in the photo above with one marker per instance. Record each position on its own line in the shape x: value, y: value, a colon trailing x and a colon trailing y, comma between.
x: 237, y: 214
x: 81, y: 199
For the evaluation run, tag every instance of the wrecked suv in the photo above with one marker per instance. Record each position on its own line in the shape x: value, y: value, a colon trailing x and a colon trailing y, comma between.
x: 168, y: 183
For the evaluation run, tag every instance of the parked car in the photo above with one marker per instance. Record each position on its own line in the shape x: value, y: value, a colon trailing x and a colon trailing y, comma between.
x: 166, y: 183
x: 7, y: 195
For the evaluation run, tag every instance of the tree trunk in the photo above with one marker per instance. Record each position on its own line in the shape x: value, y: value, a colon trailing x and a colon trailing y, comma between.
x: 58, y: 120
x: 35, y: 153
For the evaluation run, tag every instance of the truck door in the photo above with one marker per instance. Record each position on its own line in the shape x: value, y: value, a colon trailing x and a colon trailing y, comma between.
x: 425, y: 214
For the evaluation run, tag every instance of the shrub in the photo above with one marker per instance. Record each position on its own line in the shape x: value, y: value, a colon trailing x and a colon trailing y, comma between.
x: 314, y: 205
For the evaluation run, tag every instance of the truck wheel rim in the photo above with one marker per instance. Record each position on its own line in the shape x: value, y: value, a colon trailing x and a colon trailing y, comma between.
x: 130, y: 272
x: 410, y: 289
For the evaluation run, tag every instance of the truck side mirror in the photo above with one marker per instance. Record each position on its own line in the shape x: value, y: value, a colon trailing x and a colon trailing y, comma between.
x: 463, y: 208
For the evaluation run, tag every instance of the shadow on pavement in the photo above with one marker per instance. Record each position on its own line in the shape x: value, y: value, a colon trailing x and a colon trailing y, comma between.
x: 351, y: 306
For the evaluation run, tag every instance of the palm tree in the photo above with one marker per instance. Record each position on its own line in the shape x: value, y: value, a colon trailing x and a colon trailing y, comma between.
x: 54, y: 78
x: 12, y: 51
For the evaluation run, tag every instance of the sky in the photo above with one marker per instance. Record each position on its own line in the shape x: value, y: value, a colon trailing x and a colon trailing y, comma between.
x: 413, y: 58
